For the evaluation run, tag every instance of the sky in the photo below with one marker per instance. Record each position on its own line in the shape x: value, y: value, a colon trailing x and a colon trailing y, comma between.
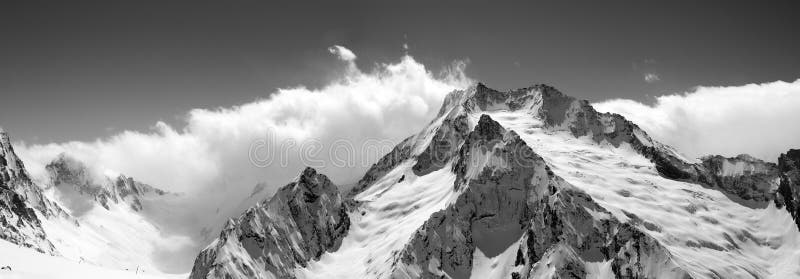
x: 83, y: 70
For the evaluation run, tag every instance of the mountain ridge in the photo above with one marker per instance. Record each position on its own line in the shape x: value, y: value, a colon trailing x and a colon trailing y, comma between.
x: 434, y: 199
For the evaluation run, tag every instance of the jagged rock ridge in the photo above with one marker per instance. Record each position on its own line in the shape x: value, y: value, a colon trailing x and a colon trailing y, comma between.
x: 19, y: 223
x: 68, y: 175
x: 302, y: 221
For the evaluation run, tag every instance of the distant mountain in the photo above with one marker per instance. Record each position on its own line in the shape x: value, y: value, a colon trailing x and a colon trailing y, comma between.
x: 80, y: 215
x: 528, y: 183
x: 72, y: 176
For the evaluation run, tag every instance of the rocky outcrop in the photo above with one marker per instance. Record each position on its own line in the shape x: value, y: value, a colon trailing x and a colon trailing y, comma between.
x: 302, y: 221
x: 443, y: 145
x: 19, y: 222
x: 511, y: 200
x: 744, y: 177
x: 70, y: 175
x: 789, y: 189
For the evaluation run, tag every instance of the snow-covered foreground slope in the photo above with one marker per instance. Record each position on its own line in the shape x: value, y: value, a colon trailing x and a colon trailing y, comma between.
x: 117, y: 237
x: 25, y: 263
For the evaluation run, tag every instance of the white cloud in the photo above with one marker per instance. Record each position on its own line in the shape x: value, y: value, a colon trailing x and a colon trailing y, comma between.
x: 651, y: 77
x: 391, y: 102
x: 758, y: 119
x: 342, y: 53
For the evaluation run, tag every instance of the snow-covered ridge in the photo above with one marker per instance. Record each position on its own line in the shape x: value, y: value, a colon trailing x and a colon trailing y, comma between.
x: 19, y: 222
x: 70, y: 176
x: 303, y: 220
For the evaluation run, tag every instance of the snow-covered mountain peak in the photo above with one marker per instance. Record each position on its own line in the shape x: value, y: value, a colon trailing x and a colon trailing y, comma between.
x: 19, y: 200
x: 72, y: 178
x: 303, y: 220
x: 10, y: 165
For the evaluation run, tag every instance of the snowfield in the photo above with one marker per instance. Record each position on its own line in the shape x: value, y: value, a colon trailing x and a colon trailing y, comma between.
x: 28, y: 264
x: 118, y: 238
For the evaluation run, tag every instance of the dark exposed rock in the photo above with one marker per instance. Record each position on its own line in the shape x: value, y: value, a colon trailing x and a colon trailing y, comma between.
x: 789, y: 189
x: 443, y: 145
x: 303, y: 220
x: 744, y: 177
x: 19, y: 223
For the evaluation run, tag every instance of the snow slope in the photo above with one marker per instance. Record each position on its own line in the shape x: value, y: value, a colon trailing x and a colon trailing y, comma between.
x: 118, y: 237
x: 28, y: 264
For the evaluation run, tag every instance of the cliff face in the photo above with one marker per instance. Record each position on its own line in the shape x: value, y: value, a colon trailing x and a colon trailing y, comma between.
x: 19, y: 223
x: 789, y: 189
x: 745, y: 177
x: 303, y: 220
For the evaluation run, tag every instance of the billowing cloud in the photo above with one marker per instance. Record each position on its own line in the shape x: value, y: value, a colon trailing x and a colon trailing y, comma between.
x: 220, y: 154
x: 758, y: 119
x: 389, y: 103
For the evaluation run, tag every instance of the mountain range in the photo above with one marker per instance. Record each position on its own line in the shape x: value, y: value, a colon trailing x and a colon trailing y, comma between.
x: 527, y: 183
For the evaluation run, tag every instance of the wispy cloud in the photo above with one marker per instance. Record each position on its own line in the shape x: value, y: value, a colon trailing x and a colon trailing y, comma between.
x: 651, y: 77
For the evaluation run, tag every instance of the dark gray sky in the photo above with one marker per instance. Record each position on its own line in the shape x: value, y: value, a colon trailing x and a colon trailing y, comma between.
x: 77, y: 70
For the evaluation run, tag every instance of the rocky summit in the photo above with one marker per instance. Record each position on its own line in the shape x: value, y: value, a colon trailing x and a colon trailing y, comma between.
x: 303, y: 220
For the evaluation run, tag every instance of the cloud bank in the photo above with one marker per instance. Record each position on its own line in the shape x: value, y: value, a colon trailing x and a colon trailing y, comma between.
x: 388, y: 103
x: 758, y: 119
